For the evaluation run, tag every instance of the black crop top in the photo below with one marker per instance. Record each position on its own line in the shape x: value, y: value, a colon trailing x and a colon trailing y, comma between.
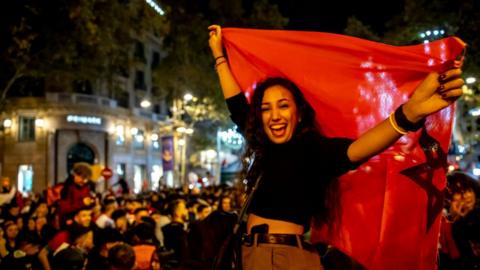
x: 293, y: 172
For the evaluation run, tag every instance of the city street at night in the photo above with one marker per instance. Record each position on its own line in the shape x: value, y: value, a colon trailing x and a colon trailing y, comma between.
x: 239, y: 134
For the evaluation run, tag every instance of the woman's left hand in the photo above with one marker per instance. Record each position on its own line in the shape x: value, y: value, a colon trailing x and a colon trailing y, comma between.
x: 436, y: 92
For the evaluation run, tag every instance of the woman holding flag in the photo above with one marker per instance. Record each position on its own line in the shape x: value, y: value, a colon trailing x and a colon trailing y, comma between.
x: 290, y: 154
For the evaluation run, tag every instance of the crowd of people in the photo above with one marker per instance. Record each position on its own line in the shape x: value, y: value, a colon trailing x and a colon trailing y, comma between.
x: 165, y: 229
x: 170, y: 229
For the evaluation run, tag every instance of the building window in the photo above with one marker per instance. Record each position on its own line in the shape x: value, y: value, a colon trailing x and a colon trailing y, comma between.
x: 155, y: 175
x: 83, y: 87
x: 138, y: 177
x: 140, y: 80
x: 26, y: 129
x: 123, y: 99
x: 139, y: 139
x: 25, y: 178
x: 140, y: 51
x: 120, y: 135
x: 155, y: 60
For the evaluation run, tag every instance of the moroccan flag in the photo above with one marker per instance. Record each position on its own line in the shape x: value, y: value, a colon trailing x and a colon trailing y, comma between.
x: 391, y: 205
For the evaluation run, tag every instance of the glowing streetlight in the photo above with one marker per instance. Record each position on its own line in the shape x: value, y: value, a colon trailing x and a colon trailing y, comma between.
x: 181, y: 129
x: 181, y: 142
x: 7, y: 123
x: 39, y: 122
x: 154, y: 137
x: 189, y: 131
x: 470, y: 80
x: 188, y: 97
x: 475, y: 111
x: 145, y: 103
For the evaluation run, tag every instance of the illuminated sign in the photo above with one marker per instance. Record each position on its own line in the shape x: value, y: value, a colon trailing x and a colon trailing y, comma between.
x: 82, y: 119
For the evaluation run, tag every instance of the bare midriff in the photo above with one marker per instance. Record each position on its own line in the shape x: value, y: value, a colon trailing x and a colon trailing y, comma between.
x: 274, y: 225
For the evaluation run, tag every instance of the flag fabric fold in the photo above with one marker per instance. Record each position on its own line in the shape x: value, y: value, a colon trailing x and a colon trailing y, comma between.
x: 390, y: 205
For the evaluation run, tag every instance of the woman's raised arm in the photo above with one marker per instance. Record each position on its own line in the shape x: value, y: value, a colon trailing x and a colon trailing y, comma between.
x: 228, y: 83
x: 433, y: 94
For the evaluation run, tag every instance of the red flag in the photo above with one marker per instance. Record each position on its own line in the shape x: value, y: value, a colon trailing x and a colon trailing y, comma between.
x: 390, y: 205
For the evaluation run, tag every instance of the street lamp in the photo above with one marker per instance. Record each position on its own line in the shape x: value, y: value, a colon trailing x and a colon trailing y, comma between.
x: 7, y: 123
x: 39, y: 122
x: 187, y: 97
x: 470, y: 80
x: 145, y: 103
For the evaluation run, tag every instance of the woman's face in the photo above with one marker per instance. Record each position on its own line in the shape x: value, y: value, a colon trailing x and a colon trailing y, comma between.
x: 31, y: 224
x: 279, y: 114
x: 39, y: 223
x: 463, y: 203
x: 12, y: 231
x: 42, y: 210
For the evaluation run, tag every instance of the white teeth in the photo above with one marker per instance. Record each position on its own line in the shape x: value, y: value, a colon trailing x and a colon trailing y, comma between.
x: 277, y: 126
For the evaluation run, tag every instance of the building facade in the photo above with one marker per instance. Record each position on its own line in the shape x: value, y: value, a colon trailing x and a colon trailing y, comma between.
x: 41, y: 138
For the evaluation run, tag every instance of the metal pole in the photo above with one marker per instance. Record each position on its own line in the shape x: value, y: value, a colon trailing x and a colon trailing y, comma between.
x: 184, y: 154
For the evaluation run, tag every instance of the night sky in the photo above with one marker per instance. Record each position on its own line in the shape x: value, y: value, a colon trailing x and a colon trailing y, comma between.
x: 331, y: 15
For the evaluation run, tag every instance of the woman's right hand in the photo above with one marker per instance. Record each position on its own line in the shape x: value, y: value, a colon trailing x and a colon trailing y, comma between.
x: 215, y: 40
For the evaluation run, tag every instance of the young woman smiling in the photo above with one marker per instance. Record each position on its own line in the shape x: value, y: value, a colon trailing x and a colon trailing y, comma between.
x: 281, y: 133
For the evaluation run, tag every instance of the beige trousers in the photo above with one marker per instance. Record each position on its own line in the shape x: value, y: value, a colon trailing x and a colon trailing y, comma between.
x: 279, y: 257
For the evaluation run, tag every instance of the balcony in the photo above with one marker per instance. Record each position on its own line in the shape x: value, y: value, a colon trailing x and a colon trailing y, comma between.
x: 149, y: 115
x: 81, y: 99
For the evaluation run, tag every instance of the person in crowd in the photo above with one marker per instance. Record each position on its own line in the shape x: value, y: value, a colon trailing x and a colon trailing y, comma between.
x: 192, y: 209
x: 73, y: 254
x: 12, y: 211
x: 7, y: 191
x: 459, y: 234
x: 41, y: 209
x: 70, y: 258
x: 175, y: 236
x: 76, y: 192
x: 119, y: 217
x: 145, y: 244
x: 157, y: 218
x: 105, y: 219
x: 121, y: 257
x: 104, y: 240
x: 9, y: 242
x: 125, y: 189
x: 225, y: 204
x: 203, y: 210
x: 281, y: 132
x: 139, y: 213
x: 24, y: 257
x: 82, y: 218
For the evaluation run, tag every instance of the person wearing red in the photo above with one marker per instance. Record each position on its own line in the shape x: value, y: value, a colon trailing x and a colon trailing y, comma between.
x: 76, y: 192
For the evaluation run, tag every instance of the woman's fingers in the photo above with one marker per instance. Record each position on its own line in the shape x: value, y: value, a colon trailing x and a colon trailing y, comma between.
x: 452, y: 94
x: 452, y: 84
x: 449, y: 75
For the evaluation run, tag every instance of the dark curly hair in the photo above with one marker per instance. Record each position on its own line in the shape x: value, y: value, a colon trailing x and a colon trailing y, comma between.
x: 258, y: 141
x: 461, y: 182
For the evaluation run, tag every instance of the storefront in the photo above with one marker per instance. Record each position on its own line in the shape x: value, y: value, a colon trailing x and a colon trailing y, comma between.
x: 42, y: 139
